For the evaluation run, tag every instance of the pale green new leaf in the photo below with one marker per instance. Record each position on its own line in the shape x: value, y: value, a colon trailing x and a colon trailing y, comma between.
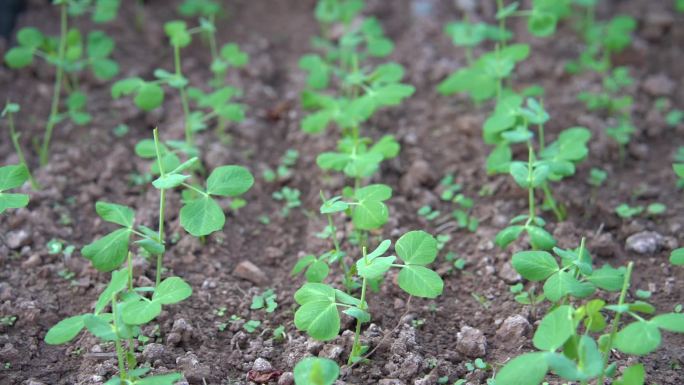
x: 109, y: 252
x: 115, y: 213
x: 526, y: 369
x: 534, y: 265
x: 638, y: 338
x: 229, y: 181
x: 171, y: 290
x: 420, y: 281
x: 416, y: 247
x: 65, y: 330
x: 202, y: 216
x: 555, y: 328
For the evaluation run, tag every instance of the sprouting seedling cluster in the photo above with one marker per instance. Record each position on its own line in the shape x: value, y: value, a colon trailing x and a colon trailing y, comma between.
x: 320, y: 304
x: 215, y: 104
x: 70, y: 53
x: 565, y: 336
x: 451, y: 192
x: 130, y: 307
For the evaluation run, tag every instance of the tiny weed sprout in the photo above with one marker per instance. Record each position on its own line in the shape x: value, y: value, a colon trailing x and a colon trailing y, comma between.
x: 320, y: 304
x: 291, y: 198
x: 8, y: 113
x: 70, y: 55
x: 564, y: 337
x: 11, y: 177
x: 132, y: 306
x: 316, y: 371
x: 450, y: 191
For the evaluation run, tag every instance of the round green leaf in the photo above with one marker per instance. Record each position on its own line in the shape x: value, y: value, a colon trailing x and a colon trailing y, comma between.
x: 110, y: 251
x: 112, y: 212
x: 677, y: 257
x: 672, y: 322
x: 420, y: 281
x: 638, y: 338
x: 508, y: 235
x: 19, y: 57
x: 30, y: 37
x: 13, y: 176
x: 416, y: 247
x: 534, y: 265
x: 229, y: 181
x: 316, y: 371
x: 540, y: 238
x: 149, y: 96
x: 140, y: 311
x: 320, y: 319
x: 202, y: 216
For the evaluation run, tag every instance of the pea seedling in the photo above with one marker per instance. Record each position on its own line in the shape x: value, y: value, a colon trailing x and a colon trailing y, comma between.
x: 574, y: 355
x: 266, y: 301
x: 148, y: 95
x: 70, y: 56
x: 130, y: 308
x: 320, y: 303
x: 9, y: 111
x: 291, y: 198
x: 11, y: 177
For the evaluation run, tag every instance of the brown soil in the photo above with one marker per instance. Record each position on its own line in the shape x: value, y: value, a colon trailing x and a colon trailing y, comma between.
x: 439, y: 135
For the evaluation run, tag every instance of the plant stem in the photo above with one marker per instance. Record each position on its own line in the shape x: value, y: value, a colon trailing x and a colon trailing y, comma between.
x: 502, y: 22
x: 119, y: 349
x: 616, y: 322
x: 57, y: 89
x: 184, y: 97
x: 162, y: 198
x: 530, y: 189
x: 129, y: 265
x: 17, y: 147
x: 548, y: 197
x: 356, y: 347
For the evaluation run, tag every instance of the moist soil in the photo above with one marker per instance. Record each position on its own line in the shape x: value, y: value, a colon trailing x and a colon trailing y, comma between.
x: 418, y: 341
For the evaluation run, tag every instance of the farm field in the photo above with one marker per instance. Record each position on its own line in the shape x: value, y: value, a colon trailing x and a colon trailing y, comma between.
x: 320, y: 192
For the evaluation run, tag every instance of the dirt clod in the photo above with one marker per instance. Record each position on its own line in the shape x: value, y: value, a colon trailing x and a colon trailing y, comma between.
x: 249, y: 271
x: 645, y: 242
x: 471, y: 342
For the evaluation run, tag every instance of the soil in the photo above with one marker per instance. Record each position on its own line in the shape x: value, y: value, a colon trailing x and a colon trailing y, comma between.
x: 419, y: 340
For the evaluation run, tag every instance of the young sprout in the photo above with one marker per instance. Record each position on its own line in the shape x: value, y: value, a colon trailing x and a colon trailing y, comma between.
x: 626, y: 211
x: 9, y: 111
x: 68, y: 59
x: 291, y: 198
x: 316, y: 371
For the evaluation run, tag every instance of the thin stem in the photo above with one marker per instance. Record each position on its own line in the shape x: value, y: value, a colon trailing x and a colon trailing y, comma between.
x: 530, y: 189
x: 162, y: 199
x: 502, y: 23
x: 119, y: 349
x: 548, y: 197
x: 57, y: 89
x: 20, y: 153
x: 211, y: 36
x: 129, y: 265
x: 616, y: 322
x: 184, y: 97
x: 356, y: 347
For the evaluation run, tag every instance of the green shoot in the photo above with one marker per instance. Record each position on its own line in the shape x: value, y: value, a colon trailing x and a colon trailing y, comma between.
x: 11, y: 177
x: 9, y: 111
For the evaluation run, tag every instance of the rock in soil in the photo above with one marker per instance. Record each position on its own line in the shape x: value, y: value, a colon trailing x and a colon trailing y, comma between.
x: 262, y: 365
x: 17, y: 239
x: 153, y: 352
x: 645, y: 242
x: 471, y: 342
x: 513, y: 329
x: 192, y: 368
x: 249, y: 271
x: 286, y: 378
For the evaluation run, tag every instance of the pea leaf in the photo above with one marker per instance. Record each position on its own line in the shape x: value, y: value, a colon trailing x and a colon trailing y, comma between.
x: 229, y: 181
x: 100, y: 327
x: 171, y: 290
x: 672, y: 322
x: 19, y: 57
x: 417, y: 247
x: 140, y: 311
x: 65, y: 330
x: 116, y: 284
x: 638, y: 338
x: 508, y: 235
x: 540, y: 238
x: 607, y: 278
x: 633, y: 375
x: 526, y: 369
x: 202, y: 216
x: 12, y: 176
x: 109, y: 252
x: 115, y: 213
x: 149, y: 96
x: 316, y: 371
x: 318, y: 314
x: 374, y: 268
x: 555, y: 328
x: 169, y: 181
x: 420, y: 281
x: 563, y: 284
x: 534, y: 265
x: 162, y: 379
x: 676, y: 257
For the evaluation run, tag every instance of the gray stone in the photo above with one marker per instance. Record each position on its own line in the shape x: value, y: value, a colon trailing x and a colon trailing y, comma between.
x: 261, y: 365
x: 658, y: 85
x: 153, y: 352
x: 286, y: 378
x: 513, y: 329
x: 471, y: 342
x: 331, y: 351
x: 508, y: 274
x: 249, y: 271
x: 192, y: 368
x: 391, y: 381
x: 645, y: 242
x: 17, y: 239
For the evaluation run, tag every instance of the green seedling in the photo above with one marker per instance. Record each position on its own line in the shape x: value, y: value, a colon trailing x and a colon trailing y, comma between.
x: 320, y: 303
x: 8, y: 112
x: 291, y: 198
x: 459, y: 263
x: 148, y: 95
x: 442, y: 240
x: 251, y: 326
x: 121, y: 130
x: 677, y: 257
x: 526, y: 297
x: 449, y: 188
x: 11, y: 177
x: 284, y: 170
x: 316, y: 371
x: 574, y: 277
x: 266, y: 301
x: 70, y: 55
x: 568, y: 349
x: 597, y: 177
x: 8, y: 320
x: 626, y: 211
x: 463, y: 214
x: 602, y: 40
x: 279, y: 333
x: 131, y: 306
x: 428, y: 213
